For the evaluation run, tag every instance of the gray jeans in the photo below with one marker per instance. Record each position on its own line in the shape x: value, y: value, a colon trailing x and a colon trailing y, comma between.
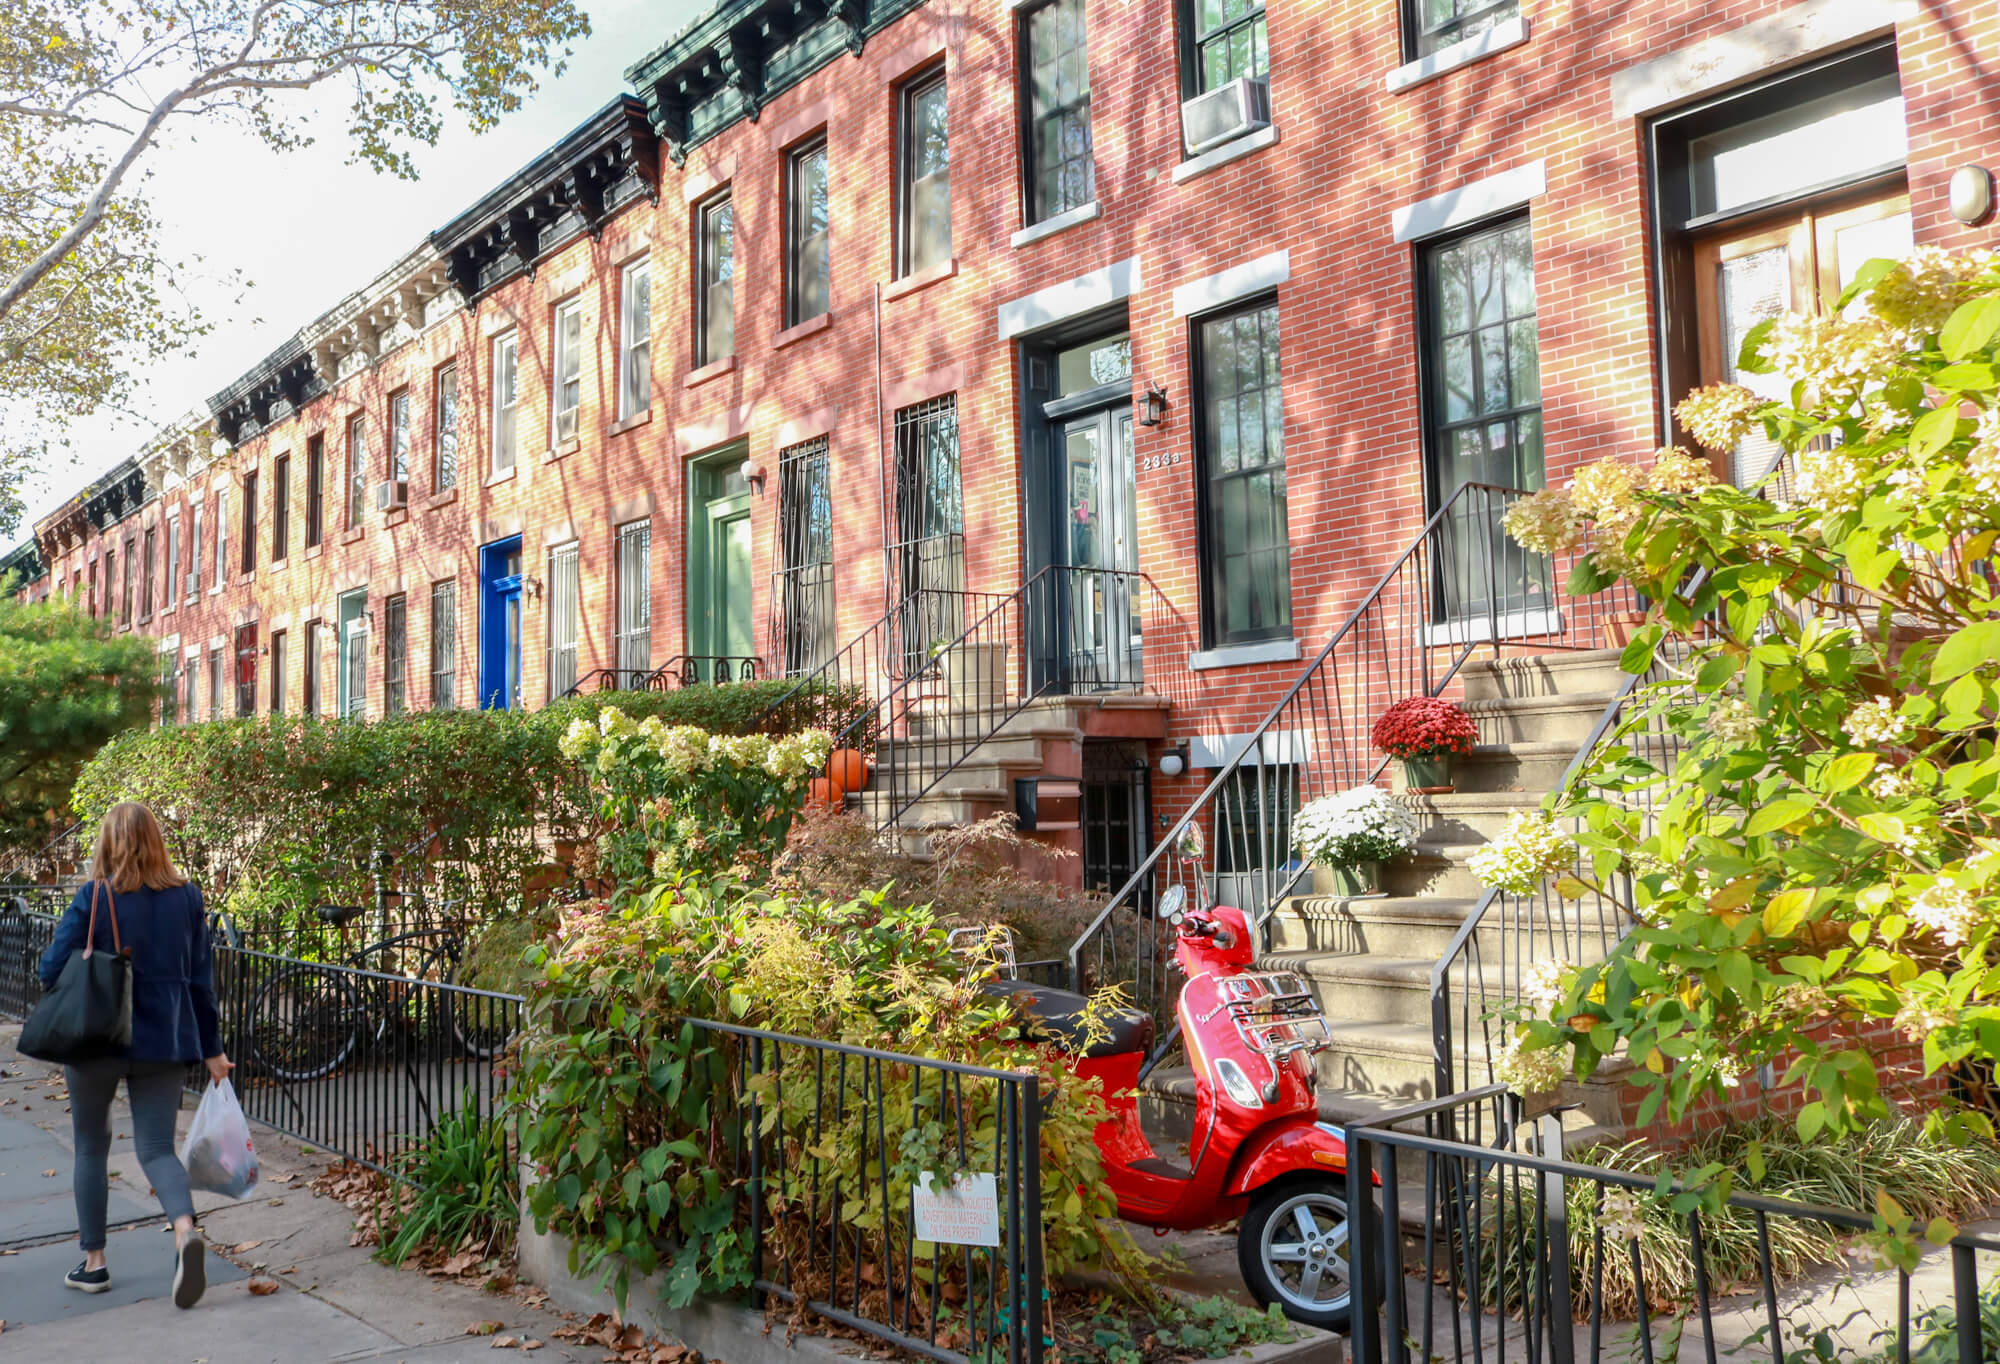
x: 154, y: 1087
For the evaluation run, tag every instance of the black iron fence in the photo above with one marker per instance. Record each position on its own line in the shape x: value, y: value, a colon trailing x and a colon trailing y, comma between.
x: 25, y: 933
x: 1484, y: 1243
x: 683, y: 670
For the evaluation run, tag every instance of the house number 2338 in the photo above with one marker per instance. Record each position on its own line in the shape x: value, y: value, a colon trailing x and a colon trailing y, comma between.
x: 1160, y: 461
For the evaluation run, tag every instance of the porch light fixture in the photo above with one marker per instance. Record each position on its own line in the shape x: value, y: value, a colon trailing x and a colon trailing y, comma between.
x: 754, y: 474
x: 1174, y: 761
x: 531, y: 585
x: 1155, y: 406
x: 1971, y: 193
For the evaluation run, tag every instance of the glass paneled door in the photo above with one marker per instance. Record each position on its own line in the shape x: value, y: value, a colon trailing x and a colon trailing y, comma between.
x: 720, y: 605
x: 1102, y: 644
x: 500, y: 625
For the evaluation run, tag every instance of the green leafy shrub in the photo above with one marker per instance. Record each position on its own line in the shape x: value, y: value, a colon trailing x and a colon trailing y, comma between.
x: 458, y: 1195
x: 730, y: 707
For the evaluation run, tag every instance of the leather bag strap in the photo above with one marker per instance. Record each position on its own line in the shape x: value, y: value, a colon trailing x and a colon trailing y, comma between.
x: 90, y: 934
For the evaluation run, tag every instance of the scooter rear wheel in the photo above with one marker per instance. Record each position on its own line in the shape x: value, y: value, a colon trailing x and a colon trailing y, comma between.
x: 1293, y: 1249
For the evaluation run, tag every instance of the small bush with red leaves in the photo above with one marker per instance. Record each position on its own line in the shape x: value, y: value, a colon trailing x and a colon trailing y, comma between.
x: 1424, y: 727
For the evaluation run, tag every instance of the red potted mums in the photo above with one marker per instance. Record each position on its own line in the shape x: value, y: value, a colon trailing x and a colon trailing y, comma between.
x: 1426, y: 732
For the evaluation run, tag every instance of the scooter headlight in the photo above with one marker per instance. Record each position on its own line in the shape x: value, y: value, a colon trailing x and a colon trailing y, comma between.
x: 1237, y: 1084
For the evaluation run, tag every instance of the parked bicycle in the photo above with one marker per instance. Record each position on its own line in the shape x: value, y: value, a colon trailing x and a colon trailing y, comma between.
x: 310, y: 1019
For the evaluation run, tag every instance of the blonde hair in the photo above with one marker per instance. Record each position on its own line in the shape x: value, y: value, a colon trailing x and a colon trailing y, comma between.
x: 130, y: 853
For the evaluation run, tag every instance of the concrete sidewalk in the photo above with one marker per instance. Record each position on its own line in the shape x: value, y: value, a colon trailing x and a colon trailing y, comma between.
x: 332, y: 1301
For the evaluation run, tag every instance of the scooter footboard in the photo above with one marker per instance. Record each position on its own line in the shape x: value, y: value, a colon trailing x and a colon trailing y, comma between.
x: 1286, y: 1148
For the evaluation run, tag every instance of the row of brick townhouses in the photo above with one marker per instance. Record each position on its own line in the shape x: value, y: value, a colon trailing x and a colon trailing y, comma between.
x: 861, y: 297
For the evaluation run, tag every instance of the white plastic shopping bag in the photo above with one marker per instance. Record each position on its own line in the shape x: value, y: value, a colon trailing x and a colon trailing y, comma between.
x: 217, y: 1152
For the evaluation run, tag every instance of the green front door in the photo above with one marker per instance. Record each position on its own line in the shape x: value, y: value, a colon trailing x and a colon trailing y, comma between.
x: 720, y: 605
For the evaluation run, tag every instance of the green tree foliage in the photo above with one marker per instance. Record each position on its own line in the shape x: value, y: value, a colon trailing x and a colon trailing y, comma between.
x: 67, y: 686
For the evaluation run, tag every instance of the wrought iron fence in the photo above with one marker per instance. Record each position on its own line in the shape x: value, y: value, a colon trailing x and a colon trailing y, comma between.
x: 25, y: 933
x: 1512, y: 1250
x: 65, y: 855
x: 682, y: 670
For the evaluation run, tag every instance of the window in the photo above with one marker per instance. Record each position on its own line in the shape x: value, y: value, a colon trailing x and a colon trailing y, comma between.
x: 170, y: 688
x: 357, y: 469
x: 279, y: 639
x: 250, y: 523
x: 1254, y: 817
x: 930, y: 528
x: 1228, y: 41
x: 805, y: 574
x: 110, y: 582
x: 1431, y: 24
x: 315, y: 662
x: 506, y: 399
x: 808, y: 257
x: 567, y: 394
x: 1246, y: 550
x: 395, y: 652
x: 152, y: 567
x: 351, y: 663
x: 715, y: 296
x: 190, y: 676
x: 399, y: 436
x: 169, y: 597
x: 91, y: 600
x: 221, y: 538
x: 215, y: 671
x: 315, y: 489
x: 125, y: 603
x: 1056, y: 67
x: 281, y: 508
x: 635, y: 340
x: 925, y: 173
x: 633, y: 644
x: 444, y: 646
x: 194, y: 556
x: 1485, y: 413
x: 246, y: 670
x: 563, y: 612
x: 445, y: 475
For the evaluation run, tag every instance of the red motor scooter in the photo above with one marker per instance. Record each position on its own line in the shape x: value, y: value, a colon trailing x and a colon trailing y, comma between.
x: 1259, y: 1151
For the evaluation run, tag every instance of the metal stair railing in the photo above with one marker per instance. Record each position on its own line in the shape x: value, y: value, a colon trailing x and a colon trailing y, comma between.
x: 1460, y: 584
x: 682, y: 670
x: 48, y: 864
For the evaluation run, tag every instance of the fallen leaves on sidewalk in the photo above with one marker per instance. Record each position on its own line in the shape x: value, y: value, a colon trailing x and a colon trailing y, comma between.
x: 483, y: 1328
x: 629, y: 1344
x: 262, y: 1286
x: 244, y: 1247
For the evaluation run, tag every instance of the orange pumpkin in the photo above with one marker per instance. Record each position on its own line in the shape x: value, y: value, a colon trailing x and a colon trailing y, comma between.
x: 826, y: 792
x: 847, y: 769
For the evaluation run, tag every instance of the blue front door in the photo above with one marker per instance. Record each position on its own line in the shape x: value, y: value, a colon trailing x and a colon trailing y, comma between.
x: 500, y: 625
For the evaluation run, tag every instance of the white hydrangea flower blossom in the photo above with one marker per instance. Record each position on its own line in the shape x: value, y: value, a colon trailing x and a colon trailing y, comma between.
x: 1732, y: 720
x: 1834, y: 358
x: 1947, y: 911
x: 1919, y: 1018
x: 1926, y: 287
x: 578, y: 739
x: 1874, y: 722
x: 1531, y: 849
x: 1622, y: 1216
x: 1545, y: 983
x: 1526, y: 1070
x: 1894, y: 784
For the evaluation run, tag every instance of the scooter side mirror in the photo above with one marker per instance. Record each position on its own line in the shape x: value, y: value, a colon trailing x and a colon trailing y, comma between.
x: 1172, y: 905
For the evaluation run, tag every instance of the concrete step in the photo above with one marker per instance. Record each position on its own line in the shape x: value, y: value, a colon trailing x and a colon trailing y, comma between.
x: 1435, y: 868
x: 1419, y: 926
x: 1566, y: 718
x: 1468, y: 816
x: 1363, y: 986
x: 1524, y: 766
x: 1003, y: 750
x: 1551, y: 674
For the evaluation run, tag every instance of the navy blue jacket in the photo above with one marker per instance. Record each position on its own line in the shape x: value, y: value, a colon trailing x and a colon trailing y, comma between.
x: 173, y: 975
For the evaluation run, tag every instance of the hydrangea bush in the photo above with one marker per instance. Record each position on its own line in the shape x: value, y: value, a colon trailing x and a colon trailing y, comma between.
x: 1823, y: 867
x: 1365, y: 824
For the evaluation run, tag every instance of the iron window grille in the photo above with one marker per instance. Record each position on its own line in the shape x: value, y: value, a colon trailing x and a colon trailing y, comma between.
x: 315, y: 489
x: 804, y: 590
x: 1431, y: 24
x: 808, y: 251
x: 353, y: 694
x: 563, y: 613
x: 246, y: 670
x: 399, y: 436
x: 506, y: 400
x: 445, y: 473
x: 1228, y: 42
x: 395, y: 651
x: 281, y: 508
x: 357, y: 470
x: 1056, y: 67
x: 1245, y: 540
x: 566, y: 393
x: 928, y: 555
x: 444, y: 646
x: 632, y: 646
x: 635, y: 340
x: 152, y: 572
x: 279, y: 639
x: 924, y: 229
x: 715, y: 287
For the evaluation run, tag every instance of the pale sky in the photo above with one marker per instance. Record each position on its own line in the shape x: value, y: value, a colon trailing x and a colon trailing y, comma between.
x: 305, y: 229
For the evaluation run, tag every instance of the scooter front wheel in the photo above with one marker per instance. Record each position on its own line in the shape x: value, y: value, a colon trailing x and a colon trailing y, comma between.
x: 1294, y: 1251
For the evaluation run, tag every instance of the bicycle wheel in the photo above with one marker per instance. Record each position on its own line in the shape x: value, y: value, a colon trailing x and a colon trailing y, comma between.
x: 305, y: 1024
x: 481, y: 1024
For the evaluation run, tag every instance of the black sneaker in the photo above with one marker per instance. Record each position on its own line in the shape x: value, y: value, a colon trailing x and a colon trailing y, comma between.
x: 88, y: 1280
x: 190, y: 1273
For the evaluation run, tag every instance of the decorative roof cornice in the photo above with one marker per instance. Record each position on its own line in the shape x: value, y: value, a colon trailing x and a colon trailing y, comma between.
x: 178, y: 451
x: 733, y: 61
x: 575, y: 186
x: 22, y: 565
x: 380, y: 316
x: 109, y: 499
x: 280, y: 384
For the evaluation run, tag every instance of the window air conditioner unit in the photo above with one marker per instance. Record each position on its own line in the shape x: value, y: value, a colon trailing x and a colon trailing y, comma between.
x: 193, y: 584
x: 566, y: 424
x: 1225, y: 113
x: 392, y: 496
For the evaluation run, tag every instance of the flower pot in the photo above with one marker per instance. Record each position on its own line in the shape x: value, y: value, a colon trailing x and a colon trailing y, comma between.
x: 1348, y: 880
x: 1430, y: 776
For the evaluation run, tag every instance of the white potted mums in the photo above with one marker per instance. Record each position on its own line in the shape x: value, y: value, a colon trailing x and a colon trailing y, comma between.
x: 1348, y: 834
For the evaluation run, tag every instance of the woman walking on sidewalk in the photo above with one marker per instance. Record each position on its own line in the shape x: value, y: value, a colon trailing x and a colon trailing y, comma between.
x: 161, y: 927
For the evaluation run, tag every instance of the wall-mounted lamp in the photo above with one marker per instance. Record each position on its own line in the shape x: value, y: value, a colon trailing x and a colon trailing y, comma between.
x: 1154, y: 406
x: 1174, y: 761
x: 754, y: 474
x: 1971, y: 193
x: 531, y: 585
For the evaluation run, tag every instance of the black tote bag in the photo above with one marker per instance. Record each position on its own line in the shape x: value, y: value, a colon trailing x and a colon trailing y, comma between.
x: 88, y: 1015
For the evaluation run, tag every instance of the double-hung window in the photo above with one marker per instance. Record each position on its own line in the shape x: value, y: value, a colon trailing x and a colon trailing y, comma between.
x: 111, y: 581
x: 395, y: 653
x: 250, y: 523
x: 221, y: 538
x: 279, y: 639
x: 169, y: 597
x: 315, y: 665
x: 399, y: 436
x: 633, y: 646
x: 635, y: 339
x: 506, y: 401
x: 1431, y: 24
x: 1056, y: 67
x: 1226, y: 38
x: 444, y: 646
x: 315, y: 489
x: 566, y: 395
x: 246, y: 670
x: 715, y: 280
x: 1246, y: 549
x: 152, y: 573
x: 808, y: 252
x: 564, y: 609
x: 125, y: 600
x: 445, y: 472
x: 357, y: 469
x: 215, y: 683
x: 924, y: 229
x: 190, y: 675
x: 281, y: 508
x: 194, y: 552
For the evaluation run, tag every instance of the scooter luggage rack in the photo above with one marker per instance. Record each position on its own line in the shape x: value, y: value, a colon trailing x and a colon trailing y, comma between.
x: 1275, y: 1013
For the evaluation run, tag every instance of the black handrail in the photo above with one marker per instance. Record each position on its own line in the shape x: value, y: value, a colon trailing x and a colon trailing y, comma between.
x: 686, y: 670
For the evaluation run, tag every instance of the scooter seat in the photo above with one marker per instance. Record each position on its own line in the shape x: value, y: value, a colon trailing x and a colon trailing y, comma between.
x: 1056, y: 1017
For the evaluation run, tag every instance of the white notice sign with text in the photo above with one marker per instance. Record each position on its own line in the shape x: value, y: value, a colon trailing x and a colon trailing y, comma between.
x: 964, y: 1213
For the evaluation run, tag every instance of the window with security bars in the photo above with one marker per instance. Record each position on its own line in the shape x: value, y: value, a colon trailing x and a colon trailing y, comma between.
x: 399, y: 436
x: 353, y: 695
x: 1056, y: 68
x: 246, y: 670
x: 632, y: 647
x: 635, y: 339
x: 445, y: 439
x: 395, y: 652
x: 1253, y: 832
x: 1431, y: 24
x: 1228, y: 40
x: 444, y: 646
x: 564, y: 609
x: 805, y: 559
x: 357, y: 470
x: 280, y: 640
x: 315, y: 490
x: 1245, y: 541
x: 925, y: 230
x: 715, y: 289
x: 929, y: 552
x: 808, y: 252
